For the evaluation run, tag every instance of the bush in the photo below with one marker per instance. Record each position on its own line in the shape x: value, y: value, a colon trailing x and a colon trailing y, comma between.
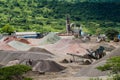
x: 116, y: 77
x: 111, y: 33
x: 13, y: 72
x: 104, y: 68
x: 112, y: 64
x: 7, y: 29
x: 116, y: 39
x: 27, y: 79
x: 95, y: 79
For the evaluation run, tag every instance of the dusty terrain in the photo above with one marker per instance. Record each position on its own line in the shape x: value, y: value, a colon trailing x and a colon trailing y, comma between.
x: 58, y: 50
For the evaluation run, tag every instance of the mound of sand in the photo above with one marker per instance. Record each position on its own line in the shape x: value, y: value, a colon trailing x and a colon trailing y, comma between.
x: 23, y: 40
x: 14, y: 43
x: 47, y: 66
x: 6, y: 56
x: 12, y: 38
x: 91, y: 70
x: 49, y: 39
x: 37, y: 49
x: 19, y: 45
x: 68, y: 46
x: 34, y: 42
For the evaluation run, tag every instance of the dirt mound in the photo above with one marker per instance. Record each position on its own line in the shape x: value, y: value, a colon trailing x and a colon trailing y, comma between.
x: 47, y: 66
x: 8, y: 39
x: 49, y: 39
x: 23, y: 40
x: 12, y: 38
x: 68, y: 46
x: 6, y: 56
x: 34, y: 56
x: 36, y: 49
x: 13, y: 43
x: 91, y: 70
x: 34, y: 42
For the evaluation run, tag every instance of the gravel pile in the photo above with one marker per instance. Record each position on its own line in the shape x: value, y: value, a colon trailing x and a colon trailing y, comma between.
x: 34, y: 56
x: 91, y: 70
x: 47, y: 66
x: 49, y: 39
x: 6, y: 56
x: 19, y: 45
x: 68, y: 46
x: 37, y: 49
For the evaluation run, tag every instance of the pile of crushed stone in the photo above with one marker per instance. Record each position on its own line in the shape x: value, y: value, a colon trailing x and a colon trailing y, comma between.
x: 91, y: 71
x: 6, y: 56
x: 37, y: 49
x: 51, y: 38
x: 68, y: 46
x: 19, y: 45
x: 45, y: 66
x: 23, y: 40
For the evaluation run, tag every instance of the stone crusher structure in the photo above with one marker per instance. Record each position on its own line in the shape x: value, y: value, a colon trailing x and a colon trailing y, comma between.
x: 97, y: 54
x: 68, y: 27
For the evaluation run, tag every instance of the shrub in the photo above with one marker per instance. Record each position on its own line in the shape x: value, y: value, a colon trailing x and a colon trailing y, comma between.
x: 111, y: 33
x: 13, y: 72
x: 112, y: 64
x: 116, y: 77
x: 116, y: 39
x: 27, y: 79
x: 7, y: 29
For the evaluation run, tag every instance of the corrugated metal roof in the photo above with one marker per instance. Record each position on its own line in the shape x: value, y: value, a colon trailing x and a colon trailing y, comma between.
x: 25, y: 33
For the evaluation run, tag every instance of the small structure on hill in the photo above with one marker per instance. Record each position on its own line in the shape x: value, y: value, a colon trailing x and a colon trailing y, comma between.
x: 28, y: 34
x: 101, y: 38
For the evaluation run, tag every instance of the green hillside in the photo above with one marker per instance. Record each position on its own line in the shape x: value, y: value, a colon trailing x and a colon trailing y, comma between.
x: 50, y: 15
x: 91, y: 0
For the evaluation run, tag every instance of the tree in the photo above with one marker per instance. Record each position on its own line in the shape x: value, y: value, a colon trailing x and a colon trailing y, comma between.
x: 111, y: 33
x: 99, y: 31
x: 7, y: 29
x: 14, y: 72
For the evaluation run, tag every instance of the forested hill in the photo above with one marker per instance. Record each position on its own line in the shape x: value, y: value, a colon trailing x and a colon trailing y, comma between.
x: 91, y: 0
x: 50, y: 15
